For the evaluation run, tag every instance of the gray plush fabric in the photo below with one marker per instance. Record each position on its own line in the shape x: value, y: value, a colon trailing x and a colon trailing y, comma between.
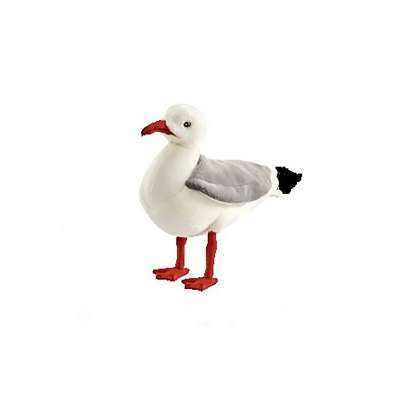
x: 230, y: 181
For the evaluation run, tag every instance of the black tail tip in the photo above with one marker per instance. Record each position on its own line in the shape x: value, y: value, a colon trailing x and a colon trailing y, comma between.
x: 287, y: 179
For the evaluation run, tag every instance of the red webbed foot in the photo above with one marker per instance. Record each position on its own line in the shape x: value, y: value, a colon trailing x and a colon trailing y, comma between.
x: 199, y: 283
x: 170, y: 274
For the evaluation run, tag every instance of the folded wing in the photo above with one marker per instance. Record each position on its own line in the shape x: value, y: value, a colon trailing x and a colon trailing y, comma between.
x: 230, y: 181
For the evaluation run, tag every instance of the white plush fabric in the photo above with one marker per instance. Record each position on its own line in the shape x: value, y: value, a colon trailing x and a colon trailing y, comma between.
x: 175, y: 208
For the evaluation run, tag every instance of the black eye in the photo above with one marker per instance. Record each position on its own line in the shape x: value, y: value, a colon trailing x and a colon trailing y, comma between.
x: 187, y: 124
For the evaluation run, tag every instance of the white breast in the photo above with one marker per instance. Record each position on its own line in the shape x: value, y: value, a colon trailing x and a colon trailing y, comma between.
x: 168, y: 173
x: 175, y: 208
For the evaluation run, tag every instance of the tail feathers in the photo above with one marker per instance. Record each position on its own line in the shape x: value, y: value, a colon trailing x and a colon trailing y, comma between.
x: 287, y: 179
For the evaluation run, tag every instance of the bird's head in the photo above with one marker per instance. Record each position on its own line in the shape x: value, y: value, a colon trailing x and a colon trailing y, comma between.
x: 182, y: 125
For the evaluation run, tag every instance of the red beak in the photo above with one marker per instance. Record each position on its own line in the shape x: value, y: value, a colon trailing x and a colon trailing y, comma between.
x: 158, y: 126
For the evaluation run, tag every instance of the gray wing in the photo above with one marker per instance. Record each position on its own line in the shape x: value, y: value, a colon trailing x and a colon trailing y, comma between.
x: 230, y: 181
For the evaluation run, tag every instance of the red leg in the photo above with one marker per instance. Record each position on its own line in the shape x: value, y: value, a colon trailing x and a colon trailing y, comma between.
x: 172, y: 274
x: 207, y: 280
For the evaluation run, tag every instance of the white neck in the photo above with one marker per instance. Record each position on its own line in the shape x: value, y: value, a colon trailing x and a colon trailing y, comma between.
x: 169, y: 171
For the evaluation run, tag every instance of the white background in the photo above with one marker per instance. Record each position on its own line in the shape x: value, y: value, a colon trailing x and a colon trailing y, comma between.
x: 308, y: 303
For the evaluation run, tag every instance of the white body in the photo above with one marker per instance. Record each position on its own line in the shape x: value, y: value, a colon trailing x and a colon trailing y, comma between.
x: 177, y: 209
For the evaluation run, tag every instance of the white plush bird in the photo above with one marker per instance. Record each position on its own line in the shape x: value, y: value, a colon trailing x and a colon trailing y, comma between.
x: 185, y: 194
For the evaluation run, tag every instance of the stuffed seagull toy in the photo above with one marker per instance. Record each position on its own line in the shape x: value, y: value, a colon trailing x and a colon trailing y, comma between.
x: 186, y: 194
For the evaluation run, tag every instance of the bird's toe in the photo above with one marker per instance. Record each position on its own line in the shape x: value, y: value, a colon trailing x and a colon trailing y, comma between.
x: 170, y: 274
